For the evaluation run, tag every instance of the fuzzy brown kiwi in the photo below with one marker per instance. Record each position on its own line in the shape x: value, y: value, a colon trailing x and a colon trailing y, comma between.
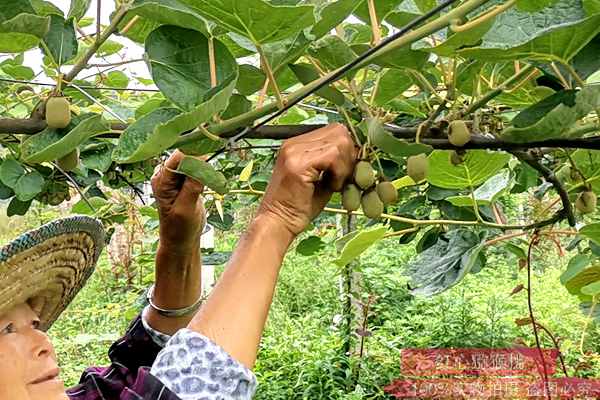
x: 364, y: 175
x: 58, y: 112
x: 70, y: 161
x: 351, y: 197
x: 387, y: 193
x: 586, y: 202
x: 417, y: 167
x: 458, y: 133
x: 372, y: 206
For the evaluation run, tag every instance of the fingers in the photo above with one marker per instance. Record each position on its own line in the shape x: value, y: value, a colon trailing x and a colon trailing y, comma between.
x: 190, y: 191
x: 164, y: 179
x: 328, y: 151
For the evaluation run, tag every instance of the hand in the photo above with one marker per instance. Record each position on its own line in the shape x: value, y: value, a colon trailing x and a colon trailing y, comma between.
x: 309, y: 169
x: 180, y: 206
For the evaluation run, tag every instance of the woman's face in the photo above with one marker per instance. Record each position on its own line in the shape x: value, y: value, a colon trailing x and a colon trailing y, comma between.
x: 28, y: 368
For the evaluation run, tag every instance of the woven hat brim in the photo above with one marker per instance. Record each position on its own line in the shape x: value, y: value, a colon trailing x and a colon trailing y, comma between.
x: 48, y: 266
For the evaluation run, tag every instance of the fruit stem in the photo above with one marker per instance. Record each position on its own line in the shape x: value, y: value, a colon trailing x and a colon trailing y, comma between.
x: 266, y: 65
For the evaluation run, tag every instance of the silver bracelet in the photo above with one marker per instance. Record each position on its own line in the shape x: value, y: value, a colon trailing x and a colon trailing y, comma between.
x: 180, y: 312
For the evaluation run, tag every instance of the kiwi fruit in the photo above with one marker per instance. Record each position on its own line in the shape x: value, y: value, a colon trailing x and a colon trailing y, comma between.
x: 586, y: 202
x: 70, y: 161
x: 458, y: 133
x: 387, y: 193
x: 364, y: 175
x: 371, y: 204
x: 417, y: 167
x: 351, y: 197
x: 456, y: 158
x: 58, y: 112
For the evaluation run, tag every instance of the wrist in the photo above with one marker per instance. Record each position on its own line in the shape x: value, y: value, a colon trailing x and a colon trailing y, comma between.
x: 274, y: 227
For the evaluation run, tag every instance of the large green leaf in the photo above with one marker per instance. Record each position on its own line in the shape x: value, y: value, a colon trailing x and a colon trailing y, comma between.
x: 160, y: 129
x: 61, y: 40
x: 251, y: 79
x: 332, y: 15
x: 52, y: 144
x: 169, y: 12
x: 306, y: 73
x: 204, y: 173
x: 11, y: 8
x: 97, y: 157
x: 580, y: 273
x: 534, y: 5
x: 592, y: 232
x: 258, y: 20
x: 78, y: 9
x: 446, y: 263
x: 391, y: 85
x: 554, y: 33
x: 485, y: 194
x: 25, y: 183
x: 10, y: 172
x: 403, y: 57
x: 389, y: 144
x: 22, y: 32
x: 478, y: 167
x: 358, y: 243
x: 179, y: 63
x: 554, y: 116
x: 45, y: 7
x: 332, y: 52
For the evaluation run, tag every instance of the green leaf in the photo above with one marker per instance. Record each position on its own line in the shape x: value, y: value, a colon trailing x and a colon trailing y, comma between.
x: 29, y: 185
x: 579, y: 274
x: 44, y: 8
x: 204, y: 173
x: 310, y: 246
x: 10, y: 172
x: 61, y: 40
x: 19, y: 71
x: 179, y: 63
x: 403, y: 57
x: 593, y: 289
x: 332, y: 52
x: 22, y: 32
x: 391, y: 85
x: 389, y: 144
x: 485, y: 194
x: 358, y: 243
x: 332, y: 15
x: 170, y: 12
x: 478, y: 167
x: 554, y: 33
x: 534, y: 5
x: 82, y: 207
x: 306, y: 73
x: 78, y: 9
x: 446, y: 263
x: 251, y: 80
x: 592, y: 232
x: 258, y: 20
x: 554, y: 116
x: 18, y: 207
x: 591, y: 7
x: 157, y: 131
x: 238, y: 105
x: 117, y: 79
x: 52, y: 144
x: 98, y: 158
x: 11, y: 8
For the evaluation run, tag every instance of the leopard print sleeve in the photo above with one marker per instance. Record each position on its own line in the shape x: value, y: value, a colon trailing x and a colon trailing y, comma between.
x: 195, y: 368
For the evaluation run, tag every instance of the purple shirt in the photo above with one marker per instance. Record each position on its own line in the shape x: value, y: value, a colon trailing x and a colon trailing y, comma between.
x: 128, y: 377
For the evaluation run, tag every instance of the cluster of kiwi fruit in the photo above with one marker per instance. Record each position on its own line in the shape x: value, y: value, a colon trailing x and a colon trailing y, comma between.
x: 586, y: 201
x: 367, y: 192
x: 54, y: 193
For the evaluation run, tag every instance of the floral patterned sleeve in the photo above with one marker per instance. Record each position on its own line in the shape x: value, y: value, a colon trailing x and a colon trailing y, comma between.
x: 193, y: 367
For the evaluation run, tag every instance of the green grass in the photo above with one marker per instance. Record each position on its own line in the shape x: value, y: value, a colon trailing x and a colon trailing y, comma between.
x: 300, y: 355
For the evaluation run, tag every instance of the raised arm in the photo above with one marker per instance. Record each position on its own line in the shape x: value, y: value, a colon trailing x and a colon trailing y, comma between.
x: 307, y: 172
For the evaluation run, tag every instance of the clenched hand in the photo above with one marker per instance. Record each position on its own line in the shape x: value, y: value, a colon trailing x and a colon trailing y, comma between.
x: 309, y: 169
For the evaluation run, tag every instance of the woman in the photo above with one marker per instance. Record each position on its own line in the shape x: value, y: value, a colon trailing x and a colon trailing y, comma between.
x: 213, y: 348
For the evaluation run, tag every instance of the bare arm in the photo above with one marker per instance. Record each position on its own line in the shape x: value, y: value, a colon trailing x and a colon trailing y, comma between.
x: 178, y: 259
x: 308, y: 170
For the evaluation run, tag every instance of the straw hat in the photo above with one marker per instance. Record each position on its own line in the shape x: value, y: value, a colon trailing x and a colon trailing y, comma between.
x: 48, y: 266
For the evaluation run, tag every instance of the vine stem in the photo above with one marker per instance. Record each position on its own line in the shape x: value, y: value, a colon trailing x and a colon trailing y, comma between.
x: 266, y: 65
x: 98, y: 15
x: 374, y: 22
x: 212, y: 62
x: 483, y: 17
x: 112, y: 28
x: 557, y: 346
x: 587, y: 323
x: 533, y: 242
x: 414, y: 222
